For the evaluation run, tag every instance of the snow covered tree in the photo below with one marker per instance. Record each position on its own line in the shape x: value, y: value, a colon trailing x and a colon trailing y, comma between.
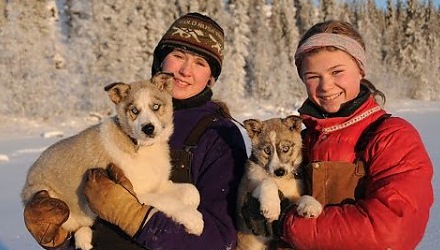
x: 411, y: 45
x: 261, y: 58
x: 431, y: 33
x: 57, y: 55
x: 327, y: 8
x: 237, y: 33
x: 389, y: 53
x: 284, y: 28
x: 28, y: 71
x: 284, y: 77
x: 429, y: 85
x: 370, y: 21
x: 3, y: 13
x: 306, y: 15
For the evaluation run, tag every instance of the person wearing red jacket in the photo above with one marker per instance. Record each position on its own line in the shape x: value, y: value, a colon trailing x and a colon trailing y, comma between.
x: 389, y: 205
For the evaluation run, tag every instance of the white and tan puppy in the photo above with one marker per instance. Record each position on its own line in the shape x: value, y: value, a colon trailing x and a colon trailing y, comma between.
x: 135, y: 140
x: 273, y: 165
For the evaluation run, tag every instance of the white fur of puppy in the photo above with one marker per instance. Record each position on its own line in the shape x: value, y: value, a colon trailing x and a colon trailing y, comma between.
x: 273, y: 164
x: 135, y: 140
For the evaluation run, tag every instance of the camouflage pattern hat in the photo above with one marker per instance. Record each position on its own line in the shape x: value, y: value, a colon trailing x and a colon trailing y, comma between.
x: 196, y: 33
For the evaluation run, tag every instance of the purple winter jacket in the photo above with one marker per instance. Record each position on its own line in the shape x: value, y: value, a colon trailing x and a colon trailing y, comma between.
x: 217, y: 167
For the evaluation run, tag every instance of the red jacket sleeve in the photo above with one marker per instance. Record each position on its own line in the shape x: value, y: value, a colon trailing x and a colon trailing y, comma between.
x: 395, y: 211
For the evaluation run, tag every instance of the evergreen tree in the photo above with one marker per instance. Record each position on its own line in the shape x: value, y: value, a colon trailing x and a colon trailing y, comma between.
x: 28, y: 72
x: 429, y: 86
x: 185, y: 6
x: 369, y: 26
x: 389, y: 52
x: 284, y: 28
x: 327, y: 8
x: 3, y: 13
x: 285, y: 38
x: 58, y: 54
x: 412, y: 46
x: 260, y: 60
x: 306, y: 15
x: 233, y: 78
x: 346, y: 13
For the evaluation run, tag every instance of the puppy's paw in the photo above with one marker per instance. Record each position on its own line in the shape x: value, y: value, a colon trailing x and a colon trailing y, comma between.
x: 270, y: 209
x: 308, y: 207
x: 83, y: 238
x: 267, y: 194
x: 192, y: 220
x: 190, y: 195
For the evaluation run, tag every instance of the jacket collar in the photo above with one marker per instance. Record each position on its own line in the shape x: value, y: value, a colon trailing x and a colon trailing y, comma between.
x: 368, y: 111
x: 195, y: 101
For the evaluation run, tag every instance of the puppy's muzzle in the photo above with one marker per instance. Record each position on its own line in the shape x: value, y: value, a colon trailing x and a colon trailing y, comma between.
x: 148, y: 129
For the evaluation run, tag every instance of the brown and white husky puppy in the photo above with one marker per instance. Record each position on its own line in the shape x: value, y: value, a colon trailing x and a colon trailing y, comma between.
x: 275, y: 159
x: 135, y: 140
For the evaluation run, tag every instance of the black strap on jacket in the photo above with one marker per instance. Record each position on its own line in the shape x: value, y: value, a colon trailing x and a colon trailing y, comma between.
x: 181, y: 159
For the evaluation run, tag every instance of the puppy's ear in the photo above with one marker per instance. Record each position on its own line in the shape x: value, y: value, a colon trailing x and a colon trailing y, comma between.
x: 117, y: 91
x: 253, y: 127
x: 293, y: 122
x: 163, y: 81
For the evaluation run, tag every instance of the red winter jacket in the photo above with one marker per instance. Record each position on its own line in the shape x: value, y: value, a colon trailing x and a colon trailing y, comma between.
x: 399, y: 194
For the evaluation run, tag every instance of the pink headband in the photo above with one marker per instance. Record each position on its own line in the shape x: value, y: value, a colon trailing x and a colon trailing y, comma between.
x: 341, y: 42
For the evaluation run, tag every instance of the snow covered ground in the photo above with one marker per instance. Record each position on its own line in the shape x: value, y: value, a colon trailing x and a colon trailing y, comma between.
x: 21, y: 141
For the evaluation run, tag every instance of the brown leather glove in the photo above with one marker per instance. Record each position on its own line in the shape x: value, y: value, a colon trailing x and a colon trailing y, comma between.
x: 117, y: 175
x: 43, y: 217
x: 113, y: 199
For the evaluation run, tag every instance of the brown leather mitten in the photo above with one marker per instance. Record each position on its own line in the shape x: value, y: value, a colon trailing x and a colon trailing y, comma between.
x: 43, y: 217
x: 113, y: 202
x: 118, y: 176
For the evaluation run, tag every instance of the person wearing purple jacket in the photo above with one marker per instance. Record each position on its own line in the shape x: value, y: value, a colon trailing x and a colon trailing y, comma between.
x: 191, y: 49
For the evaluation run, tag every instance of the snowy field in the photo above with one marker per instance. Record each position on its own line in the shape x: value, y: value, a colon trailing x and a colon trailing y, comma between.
x: 22, y: 141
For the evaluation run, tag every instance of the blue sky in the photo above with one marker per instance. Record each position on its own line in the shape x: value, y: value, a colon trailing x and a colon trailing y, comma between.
x: 382, y: 3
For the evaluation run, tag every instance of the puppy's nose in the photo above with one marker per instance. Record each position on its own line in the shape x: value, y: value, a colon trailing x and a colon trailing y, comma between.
x: 280, y: 172
x: 148, y: 129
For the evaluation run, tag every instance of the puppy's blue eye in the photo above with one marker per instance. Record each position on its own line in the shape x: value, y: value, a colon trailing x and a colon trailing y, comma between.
x: 156, y: 107
x: 285, y: 149
x: 134, y: 110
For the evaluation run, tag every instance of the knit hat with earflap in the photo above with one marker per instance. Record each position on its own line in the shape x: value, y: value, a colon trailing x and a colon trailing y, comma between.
x: 195, y: 33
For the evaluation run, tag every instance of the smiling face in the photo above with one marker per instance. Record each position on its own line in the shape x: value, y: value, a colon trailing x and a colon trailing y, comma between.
x: 191, y: 73
x: 332, y: 78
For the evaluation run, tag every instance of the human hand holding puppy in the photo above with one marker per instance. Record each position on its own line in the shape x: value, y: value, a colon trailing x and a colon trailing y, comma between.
x: 110, y: 195
x: 43, y: 217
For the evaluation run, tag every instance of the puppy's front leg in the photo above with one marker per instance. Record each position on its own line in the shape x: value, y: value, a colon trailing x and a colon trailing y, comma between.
x: 187, y: 193
x: 83, y: 238
x: 183, y: 214
x: 267, y: 194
